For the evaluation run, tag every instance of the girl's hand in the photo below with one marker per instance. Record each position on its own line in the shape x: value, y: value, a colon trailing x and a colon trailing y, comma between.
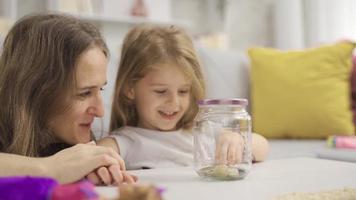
x: 229, y: 148
x: 111, y: 175
x: 74, y: 163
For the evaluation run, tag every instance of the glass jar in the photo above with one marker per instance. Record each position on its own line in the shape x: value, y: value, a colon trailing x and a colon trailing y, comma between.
x: 218, y: 124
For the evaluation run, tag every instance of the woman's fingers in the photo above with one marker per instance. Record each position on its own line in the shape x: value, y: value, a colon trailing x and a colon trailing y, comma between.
x: 116, y: 174
x: 134, y: 177
x: 115, y: 155
x: 122, y: 164
x: 111, y: 175
x: 94, y: 178
x: 128, y: 178
x: 102, y: 160
x: 103, y: 156
x: 108, y: 151
x: 82, y: 159
x: 104, y: 175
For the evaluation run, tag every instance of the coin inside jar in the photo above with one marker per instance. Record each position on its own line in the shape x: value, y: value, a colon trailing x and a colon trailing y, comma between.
x: 222, y: 172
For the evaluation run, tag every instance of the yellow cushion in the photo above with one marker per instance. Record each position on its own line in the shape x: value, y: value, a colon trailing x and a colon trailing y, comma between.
x: 302, y: 94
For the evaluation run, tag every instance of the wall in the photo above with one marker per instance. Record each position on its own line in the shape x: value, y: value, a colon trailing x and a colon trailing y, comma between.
x: 244, y: 23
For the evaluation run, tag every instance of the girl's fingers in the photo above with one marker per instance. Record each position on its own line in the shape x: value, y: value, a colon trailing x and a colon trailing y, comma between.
x: 229, y: 148
x: 232, y: 155
x: 221, y: 155
x: 239, y: 153
x: 218, y: 152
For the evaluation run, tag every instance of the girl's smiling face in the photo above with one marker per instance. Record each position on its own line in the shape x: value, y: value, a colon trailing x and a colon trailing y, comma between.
x: 161, y: 97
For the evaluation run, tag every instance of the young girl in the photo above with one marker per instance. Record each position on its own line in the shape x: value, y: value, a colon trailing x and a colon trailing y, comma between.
x: 158, y: 84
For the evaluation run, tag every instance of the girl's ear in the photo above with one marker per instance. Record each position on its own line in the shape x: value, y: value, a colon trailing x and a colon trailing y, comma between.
x: 130, y: 92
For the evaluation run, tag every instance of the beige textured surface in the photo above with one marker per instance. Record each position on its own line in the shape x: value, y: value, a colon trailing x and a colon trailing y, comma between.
x: 337, y: 194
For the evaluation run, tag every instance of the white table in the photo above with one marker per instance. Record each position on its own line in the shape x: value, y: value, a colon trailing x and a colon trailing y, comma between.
x: 266, y: 180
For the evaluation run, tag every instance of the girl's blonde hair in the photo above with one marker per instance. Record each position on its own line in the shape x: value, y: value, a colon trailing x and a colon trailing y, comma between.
x: 143, y: 47
x: 37, y: 78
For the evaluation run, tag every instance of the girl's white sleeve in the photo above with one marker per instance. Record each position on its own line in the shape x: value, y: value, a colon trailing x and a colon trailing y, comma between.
x: 124, y: 143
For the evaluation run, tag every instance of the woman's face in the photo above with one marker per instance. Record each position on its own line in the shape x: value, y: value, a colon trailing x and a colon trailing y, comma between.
x: 73, y: 126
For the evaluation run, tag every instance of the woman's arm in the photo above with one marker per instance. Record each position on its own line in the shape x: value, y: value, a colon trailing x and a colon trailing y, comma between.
x: 16, y: 165
x: 260, y: 147
x: 66, y: 166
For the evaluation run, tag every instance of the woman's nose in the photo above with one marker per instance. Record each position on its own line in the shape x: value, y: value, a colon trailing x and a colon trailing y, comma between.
x: 97, y: 107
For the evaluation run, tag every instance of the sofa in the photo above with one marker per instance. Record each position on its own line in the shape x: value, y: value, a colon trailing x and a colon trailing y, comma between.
x: 227, y: 75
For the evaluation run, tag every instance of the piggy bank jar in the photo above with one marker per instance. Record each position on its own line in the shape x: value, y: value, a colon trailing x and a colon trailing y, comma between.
x: 218, y: 123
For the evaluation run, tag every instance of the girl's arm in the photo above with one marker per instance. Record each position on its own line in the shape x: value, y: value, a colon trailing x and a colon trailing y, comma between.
x: 260, y: 147
x: 67, y: 166
x: 109, y: 142
x: 229, y: 148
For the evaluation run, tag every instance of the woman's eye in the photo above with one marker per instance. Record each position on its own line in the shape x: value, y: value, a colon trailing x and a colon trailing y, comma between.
x: 102, y: 89
x: 85, y: 94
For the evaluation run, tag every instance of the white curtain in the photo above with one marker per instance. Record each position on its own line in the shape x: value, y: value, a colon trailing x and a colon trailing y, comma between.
x: 288, y: 24
x: 307, y: 23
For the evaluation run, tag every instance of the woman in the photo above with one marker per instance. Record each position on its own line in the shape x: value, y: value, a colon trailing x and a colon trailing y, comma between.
x: 52, y: 71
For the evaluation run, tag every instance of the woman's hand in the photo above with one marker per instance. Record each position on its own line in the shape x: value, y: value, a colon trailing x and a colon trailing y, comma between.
x: 111, y: 175
x: 229, y: 148
x: 74, y: 163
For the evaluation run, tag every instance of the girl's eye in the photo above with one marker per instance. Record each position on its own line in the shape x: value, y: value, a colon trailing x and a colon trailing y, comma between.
x: 183, y: 91
x: 160, y: 91
x: 102, y: 89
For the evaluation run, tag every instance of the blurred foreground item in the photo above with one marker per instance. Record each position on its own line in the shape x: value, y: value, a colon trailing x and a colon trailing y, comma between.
x: 42, y: 188
x: 139, y: 9
x: 140, y: 192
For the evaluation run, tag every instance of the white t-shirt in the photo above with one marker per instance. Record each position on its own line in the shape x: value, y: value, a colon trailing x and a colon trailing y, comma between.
x: 144, y: 148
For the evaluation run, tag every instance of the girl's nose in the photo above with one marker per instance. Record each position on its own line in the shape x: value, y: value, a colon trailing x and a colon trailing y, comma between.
x: 173, y: 100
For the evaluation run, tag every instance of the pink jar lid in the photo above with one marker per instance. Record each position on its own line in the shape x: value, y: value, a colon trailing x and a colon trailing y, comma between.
x: 241, y: 102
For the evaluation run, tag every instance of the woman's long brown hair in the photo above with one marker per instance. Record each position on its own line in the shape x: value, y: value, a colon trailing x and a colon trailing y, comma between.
x: 37, y: 77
